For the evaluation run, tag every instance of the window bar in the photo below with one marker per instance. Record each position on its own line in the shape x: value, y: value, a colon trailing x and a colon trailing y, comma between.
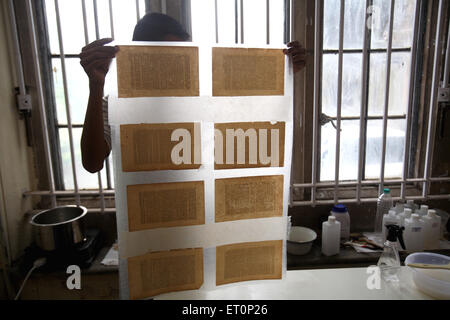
x: 138, y: 14
x: 339, y: 100
x: 40, y: 92
x: 317, y: 54
x: 362, y: 128
x: 66, y: 97
x: 108, y: 173
x: 86, y: 41
x: 268, y: 21
x: 410, y: 100
x: 386, y: 98
x: 236, y: 19
x: 433, y: 104
x: 445, y: 83
x: 163, y: 6
x: 97, y: 32
x: 111, y: 18
x: 242, y: 20
x: 216, y: 21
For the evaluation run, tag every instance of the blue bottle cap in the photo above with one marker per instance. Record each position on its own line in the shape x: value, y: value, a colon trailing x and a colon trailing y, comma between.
x: 340, y: 208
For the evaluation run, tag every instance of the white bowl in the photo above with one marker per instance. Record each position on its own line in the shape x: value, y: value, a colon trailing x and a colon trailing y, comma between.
x: 300, y: 240
x: 434, y: 282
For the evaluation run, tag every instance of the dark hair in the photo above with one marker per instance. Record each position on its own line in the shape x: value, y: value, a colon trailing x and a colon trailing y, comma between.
x: 156, y: 26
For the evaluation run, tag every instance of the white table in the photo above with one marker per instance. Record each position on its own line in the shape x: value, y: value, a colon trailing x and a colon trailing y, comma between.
x: 342, y: 283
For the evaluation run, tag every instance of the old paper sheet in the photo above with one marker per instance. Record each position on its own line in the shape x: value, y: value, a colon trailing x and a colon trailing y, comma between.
x: 147, y: 147
x: 249, y: 261
x: 158, y: 272
x: 248, y: 198
x: 162, y: 205
x: 249, y: 145
x: 247, y: 72
x: 157, y: 71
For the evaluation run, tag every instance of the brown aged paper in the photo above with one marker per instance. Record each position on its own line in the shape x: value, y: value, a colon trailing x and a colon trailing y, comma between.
x: 247, y: 72
x: 248, y: 198
x: 157, y: 71
x: 163, y: 205
x: 250, y: 145
x: 249, y: 261
x: 148, y: 147
x: 165, y: 271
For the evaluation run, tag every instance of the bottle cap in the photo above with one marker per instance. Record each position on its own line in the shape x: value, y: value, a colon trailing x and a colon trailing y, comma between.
x: 340, y: 208
x: 409, y: 201
x: 415, y: 216
x: 424, y: 207
x: 332, y: 219
x: 408, y: 211
x: 431, y: 213
x: 392, y: 213
x: 386, y: 190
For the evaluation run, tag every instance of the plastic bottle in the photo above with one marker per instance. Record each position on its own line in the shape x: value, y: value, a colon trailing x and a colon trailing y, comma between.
x: 423, y: 210
x: 389, y: 261
x: 432, y: 230
x: 331, y: 234
x: 411, y: 205
x: 341, y: 213
x: 399, y: 207
x: 406, y: 214
x: 389, y: 219
x: 384, y: 204
x: 414, y: 233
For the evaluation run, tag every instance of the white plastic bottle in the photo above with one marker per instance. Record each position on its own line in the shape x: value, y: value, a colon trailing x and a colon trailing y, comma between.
x: 341, y: 213
x: 406, y: 214
x: 414, y: 233
x: 423, y: 210
x: 390, y: 218
x: 384, y: 204
x: 411, y: 205
x: 331, y: 234
x: 432, y: 230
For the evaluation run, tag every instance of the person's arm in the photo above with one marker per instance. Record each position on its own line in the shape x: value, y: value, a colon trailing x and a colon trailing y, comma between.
x: 95, y: 59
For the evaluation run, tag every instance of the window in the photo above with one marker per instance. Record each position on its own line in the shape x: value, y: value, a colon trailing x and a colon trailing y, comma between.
x: 371, y: 109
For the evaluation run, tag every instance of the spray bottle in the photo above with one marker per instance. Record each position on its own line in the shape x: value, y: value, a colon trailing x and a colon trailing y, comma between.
x: 389, y: 261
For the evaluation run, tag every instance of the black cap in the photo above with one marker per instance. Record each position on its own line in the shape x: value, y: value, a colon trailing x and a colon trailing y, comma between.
x: 395, y: 232
x: 156, y: 26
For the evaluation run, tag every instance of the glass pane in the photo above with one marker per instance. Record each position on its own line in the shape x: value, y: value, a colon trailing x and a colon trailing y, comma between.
x: 124, y: 18
x: 403, y: 23
x: 226, y: 21
x: 78, y: 87
x: 398, y: 86
x: 349, y: 146
x: 395, y: 147
x: 71, y: 17
x: 276, y: 12
x: 351, y: 84
x: 353, y: 24
x: 254, y: 22
x: 85, y: 179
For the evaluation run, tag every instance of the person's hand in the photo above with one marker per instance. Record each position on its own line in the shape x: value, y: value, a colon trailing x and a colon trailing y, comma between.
x: 297, y: 53
x: 96, y: 58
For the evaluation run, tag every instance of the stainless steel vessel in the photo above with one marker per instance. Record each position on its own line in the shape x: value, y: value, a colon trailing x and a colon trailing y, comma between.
x: 60, y: 227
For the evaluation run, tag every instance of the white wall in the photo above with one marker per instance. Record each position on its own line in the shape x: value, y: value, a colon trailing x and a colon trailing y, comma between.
x: 16, y: 161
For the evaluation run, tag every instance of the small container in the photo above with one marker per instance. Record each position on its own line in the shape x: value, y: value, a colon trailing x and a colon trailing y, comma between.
x: 414, y: 233
x: 331, y: 234
x: 389, y: 219
x: 406, y: 214
x: 423, y: 210
x: 341, y: 213
x: 432, y: 230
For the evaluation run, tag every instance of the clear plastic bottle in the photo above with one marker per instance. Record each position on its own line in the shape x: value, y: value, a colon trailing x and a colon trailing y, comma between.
x: 389, y: 262
x: 406, y: 214
x: 423, y: 210
x: 432, y: 230
x: 384, y: 204
x: 414, y: 233
x: 331, y: 234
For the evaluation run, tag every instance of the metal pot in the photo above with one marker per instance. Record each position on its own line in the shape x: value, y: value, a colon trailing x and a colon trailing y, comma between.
x: 60, y: 227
